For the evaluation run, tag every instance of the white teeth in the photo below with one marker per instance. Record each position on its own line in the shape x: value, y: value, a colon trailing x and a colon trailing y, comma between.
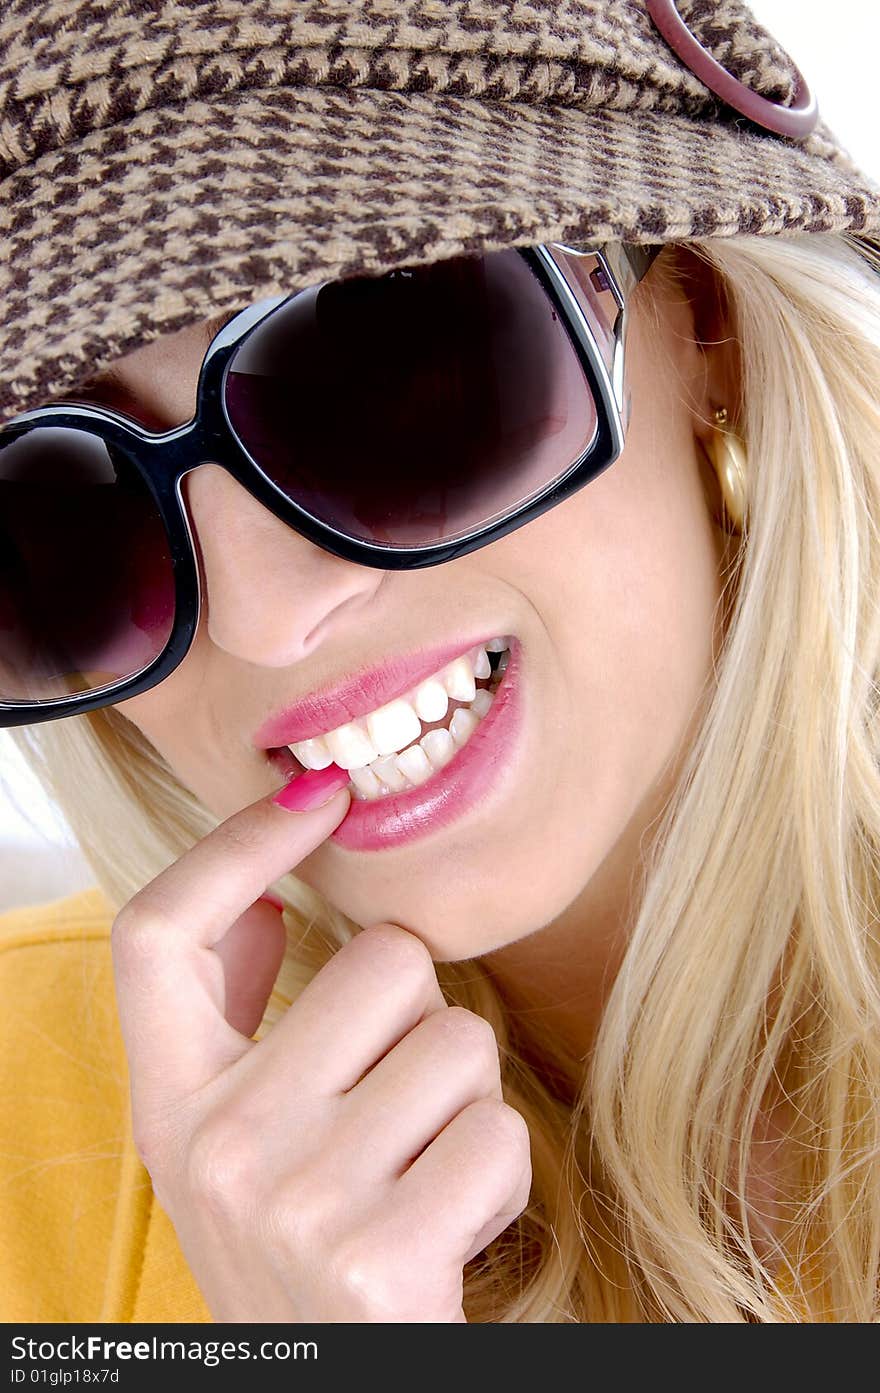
x: 392, y: 727
x: 377, y: 750
x: 439, y: 746
x: 350, y: 746
x: 458, y: 679
x: 387, y: 770
x: 431, y: 700
x: 463, y: 725
x: 415, y: 765
x: 366, y: 782
x: 313, y: 754
x: 482, y: 702
x: 482, y: 666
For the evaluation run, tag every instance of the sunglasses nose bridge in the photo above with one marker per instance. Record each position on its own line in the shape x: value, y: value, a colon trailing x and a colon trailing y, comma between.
x: 177, y: 452
x: 188, y: 450
x: 196, y: 446
x: 174, y: 456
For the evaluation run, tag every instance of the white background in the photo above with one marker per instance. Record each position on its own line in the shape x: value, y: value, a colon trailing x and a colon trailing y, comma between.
x: 836, y: 47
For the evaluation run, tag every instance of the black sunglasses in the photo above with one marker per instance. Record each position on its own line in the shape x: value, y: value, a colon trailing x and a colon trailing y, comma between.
x: 397, y: 421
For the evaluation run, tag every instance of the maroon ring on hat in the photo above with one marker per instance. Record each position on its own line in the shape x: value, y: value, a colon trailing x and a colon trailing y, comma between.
x: 796, y: 121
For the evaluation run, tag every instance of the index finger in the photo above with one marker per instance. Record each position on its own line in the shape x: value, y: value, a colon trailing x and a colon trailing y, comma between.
x: 169, y: 983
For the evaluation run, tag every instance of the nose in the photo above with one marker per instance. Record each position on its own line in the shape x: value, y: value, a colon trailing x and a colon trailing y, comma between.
x: 271, y: 595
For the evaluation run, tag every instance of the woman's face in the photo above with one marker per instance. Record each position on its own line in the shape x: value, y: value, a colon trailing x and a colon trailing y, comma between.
x: 613, y: 597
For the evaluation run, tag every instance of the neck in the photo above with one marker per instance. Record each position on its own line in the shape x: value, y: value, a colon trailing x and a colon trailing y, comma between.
x: 555, y: 981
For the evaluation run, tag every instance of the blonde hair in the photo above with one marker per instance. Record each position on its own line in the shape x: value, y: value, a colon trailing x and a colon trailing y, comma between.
x: 749, y: 988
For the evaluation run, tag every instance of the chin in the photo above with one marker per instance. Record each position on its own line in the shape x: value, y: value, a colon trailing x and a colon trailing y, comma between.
x: 453, y: 927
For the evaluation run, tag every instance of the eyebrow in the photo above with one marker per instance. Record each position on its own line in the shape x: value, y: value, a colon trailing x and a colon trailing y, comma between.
x: 110, y: 383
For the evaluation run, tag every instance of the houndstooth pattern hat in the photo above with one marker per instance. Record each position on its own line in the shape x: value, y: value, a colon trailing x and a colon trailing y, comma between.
x: 163, y: 161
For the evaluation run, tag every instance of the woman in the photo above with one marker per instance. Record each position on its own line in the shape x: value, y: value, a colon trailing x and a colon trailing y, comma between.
x: 573, y: 1011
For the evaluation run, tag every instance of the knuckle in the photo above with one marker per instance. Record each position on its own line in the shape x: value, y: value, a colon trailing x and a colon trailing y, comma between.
x: 303, y: 1212
x: 399, y: 952
x: 221, y: 1169
x: 507, y: 1127
x: 467, y: 1032
x: 138, y: 933
x: 365, y: 1272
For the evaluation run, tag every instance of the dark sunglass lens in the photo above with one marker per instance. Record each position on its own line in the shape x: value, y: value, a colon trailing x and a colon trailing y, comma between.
x: 413, y: 407
x: 86, y: 579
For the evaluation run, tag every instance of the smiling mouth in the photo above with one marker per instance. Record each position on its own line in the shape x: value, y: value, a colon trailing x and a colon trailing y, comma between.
x: 400, y: 745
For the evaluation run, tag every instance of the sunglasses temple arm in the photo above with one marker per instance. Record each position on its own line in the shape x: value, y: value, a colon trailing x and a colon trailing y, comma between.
x: 634, y: 262
x: 641, y: 258
x: 629, y: 263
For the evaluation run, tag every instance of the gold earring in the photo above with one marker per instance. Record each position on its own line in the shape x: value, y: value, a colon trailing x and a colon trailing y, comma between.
x: 729, y: 459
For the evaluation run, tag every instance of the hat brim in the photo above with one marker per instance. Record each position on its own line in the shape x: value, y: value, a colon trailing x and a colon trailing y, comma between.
x: 198, y: 208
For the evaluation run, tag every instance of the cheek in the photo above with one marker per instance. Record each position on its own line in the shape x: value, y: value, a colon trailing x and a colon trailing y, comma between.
x: 625, y: 577
x: 169, y: 717
x: 654, y: 573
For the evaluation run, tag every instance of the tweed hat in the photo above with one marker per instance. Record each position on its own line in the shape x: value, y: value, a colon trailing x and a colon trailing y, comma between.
x: 165, y: 161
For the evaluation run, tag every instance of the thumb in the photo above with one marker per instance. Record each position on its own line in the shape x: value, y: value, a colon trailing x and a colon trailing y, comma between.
x: 251, y: 952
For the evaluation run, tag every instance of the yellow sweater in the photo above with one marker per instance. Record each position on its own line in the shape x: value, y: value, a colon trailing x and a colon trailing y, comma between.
x: 82, y: 1237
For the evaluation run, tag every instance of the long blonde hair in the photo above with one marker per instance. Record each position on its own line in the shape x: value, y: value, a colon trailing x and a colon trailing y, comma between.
x: 749, y: 988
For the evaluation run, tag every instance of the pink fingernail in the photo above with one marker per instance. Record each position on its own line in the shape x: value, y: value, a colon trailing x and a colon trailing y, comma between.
x: 312, y: 789
x: 273, y: 900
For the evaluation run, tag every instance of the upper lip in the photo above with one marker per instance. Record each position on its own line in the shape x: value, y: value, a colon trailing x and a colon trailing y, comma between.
x: 356, y: 695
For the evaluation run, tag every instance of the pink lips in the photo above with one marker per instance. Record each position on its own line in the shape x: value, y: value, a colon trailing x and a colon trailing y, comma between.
x: 356, y: 696
x: 400, y: 818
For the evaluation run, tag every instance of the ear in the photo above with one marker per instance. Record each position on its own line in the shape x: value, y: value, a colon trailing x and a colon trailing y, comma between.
x: 714, y: 333
x: 715, y: 379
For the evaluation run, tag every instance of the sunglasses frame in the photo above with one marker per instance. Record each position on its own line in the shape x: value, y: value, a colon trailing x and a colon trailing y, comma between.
x: 163, y: 459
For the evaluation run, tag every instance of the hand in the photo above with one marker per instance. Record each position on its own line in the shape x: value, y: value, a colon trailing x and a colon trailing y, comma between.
x: 348, y: 1165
